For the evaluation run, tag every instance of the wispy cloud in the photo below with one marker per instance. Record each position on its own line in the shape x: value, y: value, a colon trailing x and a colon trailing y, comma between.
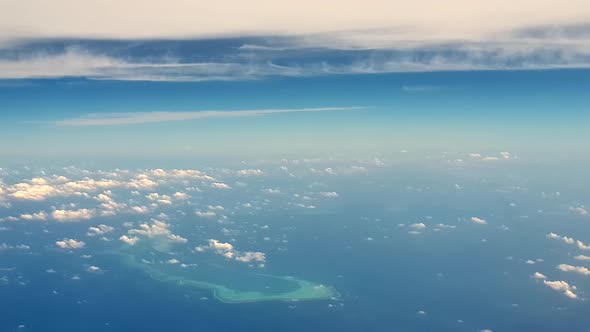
x: 117, y: 119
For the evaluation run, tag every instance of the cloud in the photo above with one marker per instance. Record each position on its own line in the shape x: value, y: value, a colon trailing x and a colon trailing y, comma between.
x: 477, y: 220
x: 34, y: 216
x: 251, y: 256
x: 228, y: 251
x: 418, y: 226
x: 568, y: 240
x: 250, y: 172
x: 582, y: 258
x: 70, y: 244
x: 117, y: 119
x: 220, y: 185
x: 538, y: 275
x: 206, y: 214
x: 140, y: 209
x: 565, y: 239
x: 4, y: 246
x: 220, y: 246
x: 579, y: 210
x: 99, y: 230
x: 157, y: 229
x: 562, y: 286
x: 72, y: 215
x: 390, y: 20
x: 160, y: 199
x: 331, y: 194
x: 577, y: 269
x: 130, y: 240
x: 94, y: 269
x: 180, y: 196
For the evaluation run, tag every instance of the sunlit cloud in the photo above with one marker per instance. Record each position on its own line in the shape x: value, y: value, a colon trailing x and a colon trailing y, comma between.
x: 116, y: 119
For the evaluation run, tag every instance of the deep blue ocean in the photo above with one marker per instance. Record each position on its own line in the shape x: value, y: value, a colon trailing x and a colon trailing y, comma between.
x: 389, y: 277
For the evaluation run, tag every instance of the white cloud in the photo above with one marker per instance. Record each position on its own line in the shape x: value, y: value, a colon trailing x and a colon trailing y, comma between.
x: 418, y: 226
x: 180, y: 195
x: 70, y: 244
x: 565, y: 239
x: 250, y: 256
x: 577, y: 269
x: 220, y: 185
x: 579, y: 210
x: 250, y: 172
x: 176, y: 238
x: 228, y: 251
x: 157, y: 229
x: 477, y: 220
x: 417, y: 20
x: 34, y: 216
x: 140, y: 209
x: 114, y: 119
x: 72, y: 215
x: 568, y: 240
x: 130, y: 240
x: 94, y: 269
x: 538, y: 275
x: 4, y: 246
x: 160, y: 199
x: 206, y: 214
x: 220, y: 246
x: 99, y: 230
x: 331, y: 194
x: 562, y: 286
x: 582, y: 258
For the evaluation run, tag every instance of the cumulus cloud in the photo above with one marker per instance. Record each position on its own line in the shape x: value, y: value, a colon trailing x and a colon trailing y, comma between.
x: 70, y: 244
x: 568, y: 240
x: 220, y: 185
x: 251, y: 256
x: 94, y: 269
x: 538, y: 275
x: 228, y: 251
x: 418, y: 226
x: 139, y: 209
x: 582, y: 258
x: 72, y: 215
x: 205, y: 214
x: 577, y: 269
x: 180, y: 196
x: 477, y: 220
x: 157, y: 229
x: 130, y: 240
x: 331, y: 194
x: 34, y: 216
x: 579, y: 210
x: 565, y: 239
x: 160, y: 199
x: 562, y: 286
x: 99, y: 230
x: 250, y: 172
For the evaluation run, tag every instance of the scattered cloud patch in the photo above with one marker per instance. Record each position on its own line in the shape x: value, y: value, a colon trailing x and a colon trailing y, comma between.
x: 479, y: 221
x: 70, y: 244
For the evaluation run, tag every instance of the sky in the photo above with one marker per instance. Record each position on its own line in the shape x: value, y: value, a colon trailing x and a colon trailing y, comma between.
x: 283, y: 166
x: 259, y: 78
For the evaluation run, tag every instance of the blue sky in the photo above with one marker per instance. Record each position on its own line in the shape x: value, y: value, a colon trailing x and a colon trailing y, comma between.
x: 372, y: 78
x: 527, y: 111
